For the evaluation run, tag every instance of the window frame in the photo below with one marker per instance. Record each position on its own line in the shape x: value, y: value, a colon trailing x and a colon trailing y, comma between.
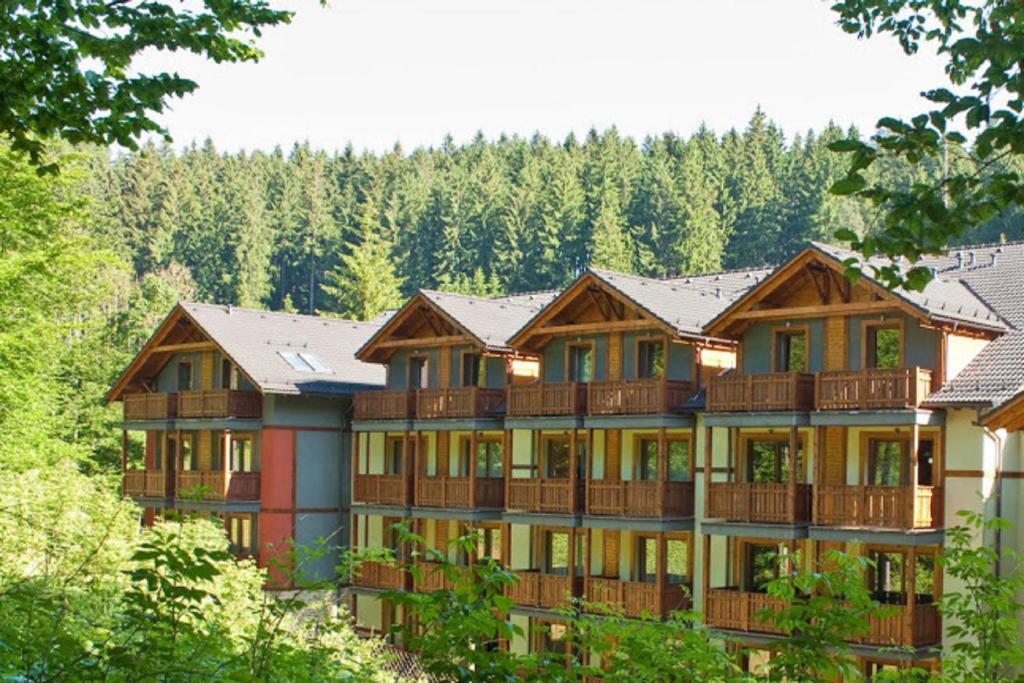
x: 481, y: 374
x: 589, y: 344
x: 181, y: 363
x: 779, y: 332
x: 652, y: 340
x: 240, y: 437
x: 424, y: 375
x: 869, y: 329
x: 389, y: 443
x: 745, y: 441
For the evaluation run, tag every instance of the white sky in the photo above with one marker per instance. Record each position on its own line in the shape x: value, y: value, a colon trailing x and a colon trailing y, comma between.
x: 373, y: 72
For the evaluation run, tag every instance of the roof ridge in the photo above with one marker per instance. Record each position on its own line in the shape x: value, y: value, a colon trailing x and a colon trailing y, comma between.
x: 263, y: 311
x: 494, y: 300
x: 676, y: 278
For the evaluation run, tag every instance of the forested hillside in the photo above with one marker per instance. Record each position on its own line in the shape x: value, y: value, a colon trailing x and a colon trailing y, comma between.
x: 489, y: 216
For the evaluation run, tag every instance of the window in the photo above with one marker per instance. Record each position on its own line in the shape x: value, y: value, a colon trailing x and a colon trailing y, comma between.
x: 650, y: 358
x: 678, y: 561
x: 184, y: 375
x: 186, y: 454
x: 241, y: 534
x: 883, y: 346
x: 873, y: 670
x: 679, y: 460
x: 646, y: 559
x: 217, y: 445
x: 393, y: 456
x: 885, y: 462
x: 926, y: 462
x: 581, y: 362
x: 555, y: 553
x: 647, y: 460
x: 885, y: 577
x: 418, y: 372
x: 304, y: 362
x: 488, y: 459
x: 489, y: 543
x: 241, y: 454
x: 768, y: 461
x: 762, y: 567
x: 549, y: 637
x: 227, y: 371
x: 556, y: 460
x: 471, y: 376
x: 791, y: 351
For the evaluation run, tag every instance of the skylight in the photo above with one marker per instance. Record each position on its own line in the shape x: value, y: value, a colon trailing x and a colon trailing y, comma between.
x: 304, y: 362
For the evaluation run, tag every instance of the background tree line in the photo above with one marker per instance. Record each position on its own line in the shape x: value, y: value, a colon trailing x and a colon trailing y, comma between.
x: 266, y: 230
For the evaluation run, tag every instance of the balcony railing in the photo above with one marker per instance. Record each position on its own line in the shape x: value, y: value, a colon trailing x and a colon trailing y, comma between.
x: 547, y: 398
x: 640, y: 498
x: 147, y: 483
x: 544, y: 495
x: 218, y: 485
x: 455, y: 492
x: 750, y: 502
x: 150, y: 406
x: 219, y: 403
x: 390, y: 404
x: 458, y: 402
x: 922, y: 627
x: 872, y: 389
x: 380, y: 575
x: 636, y: 598
x: 885, y: 507
x: 637, y: 397
x: 738, y: 610
x: 773, y: 391
x: 534, y: 588
x: 381, y: 489
x: 431, y: 578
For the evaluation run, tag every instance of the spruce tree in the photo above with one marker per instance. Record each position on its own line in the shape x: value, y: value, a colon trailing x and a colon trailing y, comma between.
x: 364, y: 284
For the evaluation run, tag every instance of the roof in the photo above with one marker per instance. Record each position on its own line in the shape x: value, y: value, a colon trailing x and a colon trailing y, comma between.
x: 995, y: 272
x: 685, y: 304
x: 492, y: 321
x: 255, y: 339
x: 994, y: 376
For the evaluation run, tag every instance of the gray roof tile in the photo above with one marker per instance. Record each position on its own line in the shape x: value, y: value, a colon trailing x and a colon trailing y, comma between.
x: 491, y: 320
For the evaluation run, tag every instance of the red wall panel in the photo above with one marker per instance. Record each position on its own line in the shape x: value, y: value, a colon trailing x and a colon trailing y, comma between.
x: 150, y: 449
x: 275, y: 529
x: 277, y: 469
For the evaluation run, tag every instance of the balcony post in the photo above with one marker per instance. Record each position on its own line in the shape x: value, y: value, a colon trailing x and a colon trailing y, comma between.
x: 472, y: 468
x: 571, y: 560
x: 506, y: 469
x: 586, y: 564
x: 225, y: 461
x: 574, y: 469
x: 506, y: 545
x: 421, y: 462
x: 124, y: 461
x: 662, y: 569
x: 589, y: 472
x: 355, y: 462
x: 708, y: 451
x: 794, y: 445
x: 705, y: 578
x: 816, y: 479
x: 406, y: 464
x: 659, y: 497
x: 915, y: 443
x: 910, y: 585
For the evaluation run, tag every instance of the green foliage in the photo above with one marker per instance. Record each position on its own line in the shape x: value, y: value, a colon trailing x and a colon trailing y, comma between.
x: 68, y: 67
x: 966, y: 181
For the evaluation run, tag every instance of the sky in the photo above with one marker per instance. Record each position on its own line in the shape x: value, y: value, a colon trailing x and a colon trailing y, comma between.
x: 376, y: 72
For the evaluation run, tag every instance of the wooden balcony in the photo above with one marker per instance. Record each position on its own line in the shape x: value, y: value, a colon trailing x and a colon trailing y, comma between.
x: 545, y: 591
x: 458, y: 402
x: 544, y: 495
x: 456, y: 492
x: 765, y: 392
x: 749, y: 502
x: 218, y: 485
x: 150, y: 406
x: 640, y: 498
x: 431, y: 578
x: 390, y: 404
x: 917, y: 628
x: 738, y: 610
x: 219, y: 403
x: 145, y: 483
x: 884, y: 507
x: 382, y: 489
x: 547, y: 398
x: 380, y: 575
x: 636, y: 598
x: 872, y: 389
x: 637, y: 397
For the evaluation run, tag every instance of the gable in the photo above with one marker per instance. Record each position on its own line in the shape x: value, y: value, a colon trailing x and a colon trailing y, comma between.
x: 419, y: 323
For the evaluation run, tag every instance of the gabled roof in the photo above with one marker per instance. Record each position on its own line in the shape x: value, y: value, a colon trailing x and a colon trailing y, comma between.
x: 945, y: 299
x: 995, y: 375
x: 485, y: 321
x: 254, y: 341
x: 679, y: 305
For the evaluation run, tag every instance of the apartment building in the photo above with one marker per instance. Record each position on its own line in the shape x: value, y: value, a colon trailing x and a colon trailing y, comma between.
x: 677, y: 433
x: 246, y: 415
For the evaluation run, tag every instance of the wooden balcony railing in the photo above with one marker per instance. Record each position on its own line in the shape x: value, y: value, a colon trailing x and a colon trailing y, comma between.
x: 218, y: 485
x: 640, y: 498
x: 150, y: 406
x: 922, y: 627
x: 390, y: 404
x: 544, y: 495
x: 633, y: 397
x: 547, y: 398
x: 380, y: 575
x: 749, y: 502
x: 458, y: 402
x: 219, y: 403
x: 738, y: 610
x: 148, y: 483
x: 534, y: 588
x: 872, y: 389
x: 455, y: 492
x: 772, y: 391
x: 431, y: 578
x: 886, y: 507
x: 635, y: 598
x: 381, y: 489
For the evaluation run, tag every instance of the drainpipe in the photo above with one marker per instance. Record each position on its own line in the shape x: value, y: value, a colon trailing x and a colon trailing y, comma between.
x: 998, y: 442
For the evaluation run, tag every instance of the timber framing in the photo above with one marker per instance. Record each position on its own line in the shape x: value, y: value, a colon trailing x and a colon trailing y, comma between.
x: 1008, y: 416
x: 403, y: 330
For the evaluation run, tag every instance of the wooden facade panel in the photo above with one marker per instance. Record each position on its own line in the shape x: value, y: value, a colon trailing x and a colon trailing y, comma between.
x: 442, y: 440
x: 613, y: 454
x: 835, y: 456
x: 615, y: 356
x: 205, y: 450
x: 835, y: 343
x: 610, y: 557
x: 206, y: 370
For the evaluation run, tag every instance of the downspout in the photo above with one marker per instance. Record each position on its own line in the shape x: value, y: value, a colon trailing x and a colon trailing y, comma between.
x: 998, y: 441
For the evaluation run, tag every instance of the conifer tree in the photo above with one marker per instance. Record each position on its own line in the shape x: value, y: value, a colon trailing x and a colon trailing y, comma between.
x: 364, y: 284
